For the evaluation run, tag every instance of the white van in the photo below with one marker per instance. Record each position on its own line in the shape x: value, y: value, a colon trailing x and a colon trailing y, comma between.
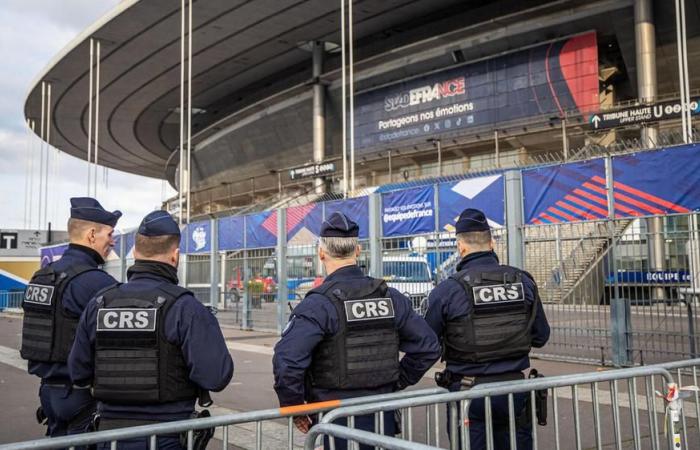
x: 410, y: 275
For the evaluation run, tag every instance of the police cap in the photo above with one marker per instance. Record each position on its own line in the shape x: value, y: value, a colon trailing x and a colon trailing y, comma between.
x: 89, y: 209
x: 471, y: 220
x: 338, y: 225
x: 158, y: 223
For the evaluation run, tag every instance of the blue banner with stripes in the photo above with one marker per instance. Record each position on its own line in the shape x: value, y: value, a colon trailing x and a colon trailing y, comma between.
x: 565, y: 193
x: 231, y: 233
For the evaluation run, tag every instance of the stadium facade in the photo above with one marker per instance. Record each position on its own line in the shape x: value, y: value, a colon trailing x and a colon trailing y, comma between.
x: 474, y: 85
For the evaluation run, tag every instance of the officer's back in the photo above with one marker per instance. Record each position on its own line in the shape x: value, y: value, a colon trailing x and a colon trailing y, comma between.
x: 488, y: 316
x: 149, y: 348
x: 343, y: 340
x: 54, y: 300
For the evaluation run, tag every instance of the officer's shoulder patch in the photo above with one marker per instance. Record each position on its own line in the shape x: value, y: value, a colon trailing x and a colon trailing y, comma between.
x: 369, y: 309
x: 39, y: 294
x: 126, y: 319
x: 497, y: 294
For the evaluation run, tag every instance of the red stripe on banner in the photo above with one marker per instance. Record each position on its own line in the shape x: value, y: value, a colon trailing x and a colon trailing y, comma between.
x: 297, y: 214
x: 600, y: 180
x: 637, y: 203
x: 649, y: 197
x: 560, y: 213
x: 270, y: 224
x: 589, y: 196
x: 595, y: 188
x: 575, y: 210
x: 627, y: 210
x: 585, y: 204
x: 537, y: 221
x: 550, y: 218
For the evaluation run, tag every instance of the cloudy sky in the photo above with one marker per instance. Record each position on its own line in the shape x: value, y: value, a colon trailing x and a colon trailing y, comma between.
x: 31, y: 33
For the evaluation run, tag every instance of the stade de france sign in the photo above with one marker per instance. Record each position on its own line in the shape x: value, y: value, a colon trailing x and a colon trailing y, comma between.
x: 312, y: 170
x: 641, y: 114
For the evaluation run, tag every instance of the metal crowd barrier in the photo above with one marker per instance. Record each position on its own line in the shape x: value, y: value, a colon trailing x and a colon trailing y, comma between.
x: 458, y: 402
x: 363, y: 437
x: 224, y: 421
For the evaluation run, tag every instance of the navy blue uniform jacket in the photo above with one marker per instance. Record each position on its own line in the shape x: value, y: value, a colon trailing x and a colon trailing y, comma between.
x: 188, y: 325
x: 449, y: 301
x: 76, y: 296
x: 316, y: 317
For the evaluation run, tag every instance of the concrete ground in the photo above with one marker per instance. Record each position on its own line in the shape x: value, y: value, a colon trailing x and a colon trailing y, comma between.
x: 251, y: 389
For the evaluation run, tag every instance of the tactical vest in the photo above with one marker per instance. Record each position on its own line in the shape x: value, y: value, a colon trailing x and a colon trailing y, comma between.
x: 364, y: 353
x: 48, y: 329
x: 500, y: 323
x: 134, y: 362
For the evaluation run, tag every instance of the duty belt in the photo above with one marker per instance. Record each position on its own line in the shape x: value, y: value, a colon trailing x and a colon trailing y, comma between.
x: 446, y: 379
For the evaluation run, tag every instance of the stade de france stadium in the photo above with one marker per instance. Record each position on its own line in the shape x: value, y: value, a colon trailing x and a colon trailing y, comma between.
x: 562, y: 120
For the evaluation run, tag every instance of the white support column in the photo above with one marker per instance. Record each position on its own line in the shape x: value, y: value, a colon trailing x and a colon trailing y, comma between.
x: 89, y: 142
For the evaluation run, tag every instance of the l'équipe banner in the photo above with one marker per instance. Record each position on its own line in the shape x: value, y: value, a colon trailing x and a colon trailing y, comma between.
x: 565, y: 193
x: 484, y: 193
x: 657, y: 182
x: 231, y: 233
x: 355, y: 208
x: 550, y: 78
x: 407, y: 212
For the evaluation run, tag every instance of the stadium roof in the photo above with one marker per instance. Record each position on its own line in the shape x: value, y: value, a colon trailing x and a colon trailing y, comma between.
x: 249, y: 55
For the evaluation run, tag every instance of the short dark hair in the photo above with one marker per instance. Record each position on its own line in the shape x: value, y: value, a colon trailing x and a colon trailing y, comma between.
x: 475, y: 238
x: 150, y: 246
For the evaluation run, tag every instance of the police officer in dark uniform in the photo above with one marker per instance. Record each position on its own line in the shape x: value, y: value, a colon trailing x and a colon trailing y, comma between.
x: 343, y: 340
x: 488, y: 316
x: 149, y: 348
x: 54, y: 299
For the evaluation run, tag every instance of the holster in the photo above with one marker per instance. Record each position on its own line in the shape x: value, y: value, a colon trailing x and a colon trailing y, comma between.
x: 200, y: 438
x: 540, y: 400
x: 41, y: 418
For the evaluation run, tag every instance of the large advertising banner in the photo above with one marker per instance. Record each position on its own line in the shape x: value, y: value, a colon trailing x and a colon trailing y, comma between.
x: 657, y: 182
x: 304, y: 223
x: 261, y: 230
x: 231, y: 233
x: 355, y: 208
x: 546, y: 79
x: 198, y: 236
x: 129, y: 239
x: 484, y: 193
x: 565, y: 193
x: 408, y: 212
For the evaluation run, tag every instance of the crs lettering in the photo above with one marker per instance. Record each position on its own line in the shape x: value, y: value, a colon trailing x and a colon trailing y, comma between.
x: 497, y: 294
x: 122, y: 319
x: 38, y: 294
x: 368, y: 309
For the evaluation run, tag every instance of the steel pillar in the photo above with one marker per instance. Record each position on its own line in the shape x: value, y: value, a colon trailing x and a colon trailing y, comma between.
x: 319, y: 112
x: 514, y: 218
x: 213, y: 259
x: 375, y: 236
x: 282, y: 289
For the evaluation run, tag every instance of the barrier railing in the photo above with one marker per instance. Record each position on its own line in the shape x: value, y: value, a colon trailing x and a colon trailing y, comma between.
x: 188, y: 427
x: 362, y: 437
x: 458, y: 404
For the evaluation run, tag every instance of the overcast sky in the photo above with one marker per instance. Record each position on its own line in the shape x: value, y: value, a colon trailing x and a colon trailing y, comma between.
x: 31, y: 33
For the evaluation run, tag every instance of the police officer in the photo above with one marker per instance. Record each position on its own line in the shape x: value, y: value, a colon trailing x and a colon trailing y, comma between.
x: 149, y: 348
x: 487, y: 316
x: 54, y: 299
x: 343, y: 340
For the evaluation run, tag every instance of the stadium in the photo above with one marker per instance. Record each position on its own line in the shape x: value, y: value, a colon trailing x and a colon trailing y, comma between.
x: 495, y: 84
x: 569, y: 123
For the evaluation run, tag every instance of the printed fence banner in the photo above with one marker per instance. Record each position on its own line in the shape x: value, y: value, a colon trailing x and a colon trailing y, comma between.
x: 484, y: 193
x: 356, y: 208
x: 52, y: 253
x: 304, y: 223
x: 198, y: 237
x: 565, y: 193
x: 231, y: 232
x: 657, y: 182
x: 261, y: 230
x: 409, y: 211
